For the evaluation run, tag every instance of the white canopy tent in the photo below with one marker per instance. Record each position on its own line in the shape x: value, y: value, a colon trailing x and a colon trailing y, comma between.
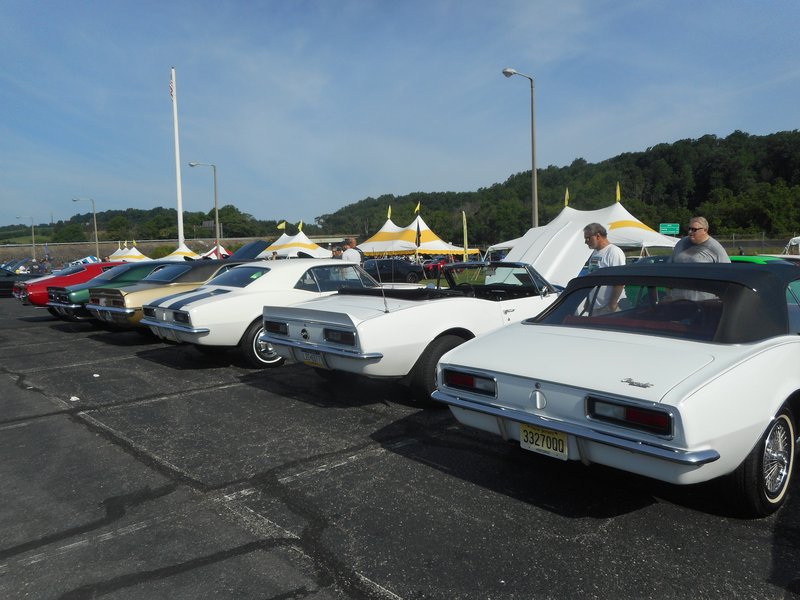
x: 131, y: 254
x: 291, y: 247
x: 558, y: 249
x: 429, y: 242
x: 389, y: 240
x: 182, y: 252
x: 216, y: 252
x: 120, y: 251
x: 624, y: 230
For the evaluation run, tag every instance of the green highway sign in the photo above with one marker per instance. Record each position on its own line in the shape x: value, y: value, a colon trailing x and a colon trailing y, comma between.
x: 669, y: 228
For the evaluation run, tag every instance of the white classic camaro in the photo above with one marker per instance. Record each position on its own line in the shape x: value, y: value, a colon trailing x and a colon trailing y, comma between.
x: 694, y: 378
x: 401, y: 333
x: 226, y: 311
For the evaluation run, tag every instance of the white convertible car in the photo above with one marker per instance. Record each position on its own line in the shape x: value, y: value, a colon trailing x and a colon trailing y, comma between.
x: 226, y: 311
x: 696, y: 377
x: 401, y: 334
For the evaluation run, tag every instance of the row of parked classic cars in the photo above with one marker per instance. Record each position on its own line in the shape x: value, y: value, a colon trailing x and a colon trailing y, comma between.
x: 695, y: 377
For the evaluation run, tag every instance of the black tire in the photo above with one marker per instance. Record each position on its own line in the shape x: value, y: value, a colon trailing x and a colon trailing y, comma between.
x: 423, y: 375
x: 412, y: 278
x: 762, y: 481
x: 53, y: 312
x: 255, y: 353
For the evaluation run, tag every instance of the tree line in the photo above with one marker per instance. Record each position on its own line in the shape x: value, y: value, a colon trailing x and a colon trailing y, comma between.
x: 743, y: 184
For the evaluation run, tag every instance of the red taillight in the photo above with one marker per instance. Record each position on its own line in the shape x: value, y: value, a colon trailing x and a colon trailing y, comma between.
x: 469, y: 382
x: 644, y: 419
x: 652, y: 419
x: 456, y: 379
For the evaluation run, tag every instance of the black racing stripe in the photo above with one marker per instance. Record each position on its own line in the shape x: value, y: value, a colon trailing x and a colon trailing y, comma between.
x: 192, y: 299
x: 166, y: 299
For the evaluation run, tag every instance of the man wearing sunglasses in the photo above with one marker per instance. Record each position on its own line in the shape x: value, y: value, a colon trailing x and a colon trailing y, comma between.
x: 698, y: 246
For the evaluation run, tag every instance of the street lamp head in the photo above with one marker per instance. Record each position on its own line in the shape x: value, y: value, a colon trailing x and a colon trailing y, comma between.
x: 508, y: 72
x: 193, y: 164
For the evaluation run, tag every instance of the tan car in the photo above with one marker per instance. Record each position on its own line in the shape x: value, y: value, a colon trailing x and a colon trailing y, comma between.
x: 123, y: 307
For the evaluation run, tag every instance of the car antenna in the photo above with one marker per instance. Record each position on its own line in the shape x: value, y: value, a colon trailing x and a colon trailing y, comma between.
x: 383, y: 291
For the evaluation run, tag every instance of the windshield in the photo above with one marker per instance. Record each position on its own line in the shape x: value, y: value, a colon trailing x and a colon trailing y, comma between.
x: 331, y: 278
x: 496, y: 275
x: 239, y: 276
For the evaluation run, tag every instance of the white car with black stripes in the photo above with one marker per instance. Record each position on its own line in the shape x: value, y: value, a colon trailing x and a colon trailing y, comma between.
x: 226, y: 312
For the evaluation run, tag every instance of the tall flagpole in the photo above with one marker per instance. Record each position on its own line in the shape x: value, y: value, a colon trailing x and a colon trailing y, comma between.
x: 464, y: 218
x: 173, y: 92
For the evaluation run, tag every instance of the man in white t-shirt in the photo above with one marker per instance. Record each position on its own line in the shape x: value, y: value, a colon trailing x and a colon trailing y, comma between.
x: 350, y: 253
x: 604, y: 254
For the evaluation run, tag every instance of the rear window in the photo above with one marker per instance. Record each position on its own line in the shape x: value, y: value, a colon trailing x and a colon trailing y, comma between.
x: 692, y: 313
x: 239, y: 276
x: 167, y: 273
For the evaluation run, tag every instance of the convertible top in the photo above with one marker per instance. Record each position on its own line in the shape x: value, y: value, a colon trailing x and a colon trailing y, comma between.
x: 755, y: 301
x: 753, y: 276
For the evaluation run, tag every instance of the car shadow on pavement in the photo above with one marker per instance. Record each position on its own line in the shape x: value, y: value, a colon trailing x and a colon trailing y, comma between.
x: 186, y: 357
x: 569, y: 489
x: 786, y: 544
x: 124, y: 338
x: 299, y: 382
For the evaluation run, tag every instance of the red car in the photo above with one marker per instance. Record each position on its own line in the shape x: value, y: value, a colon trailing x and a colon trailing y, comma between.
x: 34, y: 291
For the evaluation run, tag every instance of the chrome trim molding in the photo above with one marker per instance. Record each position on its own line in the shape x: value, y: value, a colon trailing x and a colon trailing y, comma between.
x: 111, y: 309
x: 174, y: 327
x: 281, y: 341
x: 653, y: 450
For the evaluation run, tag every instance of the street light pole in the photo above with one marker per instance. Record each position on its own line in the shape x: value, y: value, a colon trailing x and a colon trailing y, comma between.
x: 534, y: 192
x: 33, y: 237
x: 94, y: 219
x: 216, y: 205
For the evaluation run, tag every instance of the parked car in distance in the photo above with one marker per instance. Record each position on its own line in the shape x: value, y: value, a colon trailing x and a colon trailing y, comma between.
x: 122, y: 307
x: 227, y: 311
x: 69, y: 302
x: 760, y: 260
x: 432, y: 266
x: 34, y: 291
x: 694, y: 378
x: 8, y: 278
x: 392, y: 270
x: 400, y: 334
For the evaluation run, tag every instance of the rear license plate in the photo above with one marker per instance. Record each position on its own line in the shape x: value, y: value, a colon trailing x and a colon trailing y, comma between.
x: 313, y: 359
x: 544, y: 441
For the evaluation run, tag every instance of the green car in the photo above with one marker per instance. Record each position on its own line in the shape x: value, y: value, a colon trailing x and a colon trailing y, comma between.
x: 758, y: 260
x: 69, y: 303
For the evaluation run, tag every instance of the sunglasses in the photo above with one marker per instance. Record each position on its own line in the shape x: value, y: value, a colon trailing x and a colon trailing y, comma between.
x: 693, y: 229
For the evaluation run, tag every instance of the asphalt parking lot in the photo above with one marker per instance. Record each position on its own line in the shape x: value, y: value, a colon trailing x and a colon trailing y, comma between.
x: 135, y: 469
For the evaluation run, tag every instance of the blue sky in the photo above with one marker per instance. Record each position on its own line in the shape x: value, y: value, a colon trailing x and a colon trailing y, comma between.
x: 307, y: 106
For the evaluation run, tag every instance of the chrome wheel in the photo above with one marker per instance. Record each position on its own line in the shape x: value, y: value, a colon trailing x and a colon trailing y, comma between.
x: 258, y: 354
x: 778, y: 450
x: 762, y: 481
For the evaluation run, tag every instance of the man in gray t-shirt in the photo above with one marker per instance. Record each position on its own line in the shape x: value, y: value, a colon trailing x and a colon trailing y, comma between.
x: 698, y: 246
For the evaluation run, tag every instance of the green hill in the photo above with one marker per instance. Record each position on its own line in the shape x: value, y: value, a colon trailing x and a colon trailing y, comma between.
x: 743, y: 184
